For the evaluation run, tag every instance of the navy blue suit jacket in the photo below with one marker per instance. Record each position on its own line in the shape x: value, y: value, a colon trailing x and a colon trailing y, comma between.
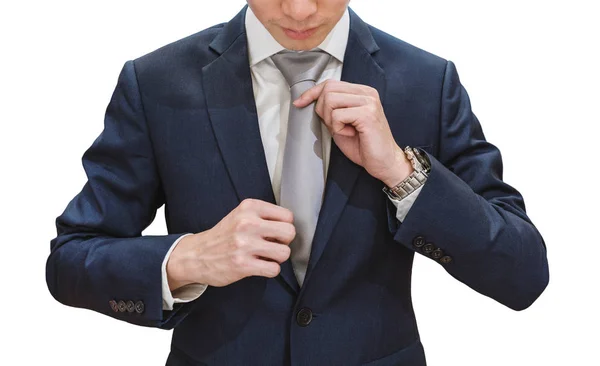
x: 181, y: 130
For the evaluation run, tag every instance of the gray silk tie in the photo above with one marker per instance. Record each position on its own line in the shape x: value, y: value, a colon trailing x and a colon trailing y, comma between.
x: 302, y: 177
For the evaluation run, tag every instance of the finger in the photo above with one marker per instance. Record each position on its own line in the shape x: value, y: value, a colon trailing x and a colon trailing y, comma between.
x: 347, y: 131
x: 344, y: 118
x: 267, y: 211
x: 310, y: 95
x: 263, y: 268
x: 272, y: 251
x: 335, y: 100
x: 331, y: 85
x: 343, y: 121
x: 281, y: 232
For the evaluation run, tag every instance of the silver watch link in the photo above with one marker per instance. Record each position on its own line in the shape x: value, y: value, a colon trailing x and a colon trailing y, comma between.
x: 415, y: 180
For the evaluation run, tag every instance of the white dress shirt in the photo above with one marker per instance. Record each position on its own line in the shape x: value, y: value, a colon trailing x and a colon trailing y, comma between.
x: 272, y: 97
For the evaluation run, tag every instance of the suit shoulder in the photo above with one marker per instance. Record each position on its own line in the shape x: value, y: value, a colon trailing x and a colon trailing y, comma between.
x: 191, y: 51
x: 399, y: 53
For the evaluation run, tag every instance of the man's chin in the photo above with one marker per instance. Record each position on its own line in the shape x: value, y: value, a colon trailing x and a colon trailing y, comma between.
x: 296, y: 45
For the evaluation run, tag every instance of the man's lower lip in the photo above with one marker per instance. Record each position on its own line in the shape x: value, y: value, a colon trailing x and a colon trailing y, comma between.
x: 299, y: 35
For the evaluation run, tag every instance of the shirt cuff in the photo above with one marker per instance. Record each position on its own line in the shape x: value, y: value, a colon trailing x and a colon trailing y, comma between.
x: 185, y: 293
x: 404, y: 205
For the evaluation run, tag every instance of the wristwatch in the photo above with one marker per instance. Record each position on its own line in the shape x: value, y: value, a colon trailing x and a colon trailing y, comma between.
x: 416, y: 179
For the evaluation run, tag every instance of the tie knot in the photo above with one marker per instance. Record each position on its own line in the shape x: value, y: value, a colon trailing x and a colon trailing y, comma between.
x: 297, y: 66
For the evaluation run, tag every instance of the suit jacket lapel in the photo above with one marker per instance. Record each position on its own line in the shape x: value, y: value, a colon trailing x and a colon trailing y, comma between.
x: 232, y: 110
x: 230, y: 101
x: 359, y: 68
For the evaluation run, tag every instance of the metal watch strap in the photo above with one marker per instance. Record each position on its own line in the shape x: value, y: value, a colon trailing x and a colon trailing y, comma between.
x: 415, y: 180
x: 407, y: 186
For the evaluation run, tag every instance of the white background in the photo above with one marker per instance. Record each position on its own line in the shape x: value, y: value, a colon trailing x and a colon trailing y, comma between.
x: 530, y: 68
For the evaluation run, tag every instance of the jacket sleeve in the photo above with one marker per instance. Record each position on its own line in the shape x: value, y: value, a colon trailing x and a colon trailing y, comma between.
x: 467, y: 219
x: 99, y: 257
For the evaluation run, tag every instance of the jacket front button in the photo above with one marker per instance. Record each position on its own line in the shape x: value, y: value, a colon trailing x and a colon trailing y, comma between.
x: 304, y: 317
x: 139, y: 307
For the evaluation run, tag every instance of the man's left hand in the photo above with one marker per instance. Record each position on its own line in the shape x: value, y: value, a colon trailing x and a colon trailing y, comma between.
x: 355, y: 118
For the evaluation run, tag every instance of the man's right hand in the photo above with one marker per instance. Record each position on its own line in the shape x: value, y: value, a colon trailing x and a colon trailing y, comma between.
x: 252, y: 240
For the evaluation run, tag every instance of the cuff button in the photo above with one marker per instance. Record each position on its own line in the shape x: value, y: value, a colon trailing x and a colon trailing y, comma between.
x: 437, y: 254
x: 419, y: 241
x: 428, y: 248
x: 122, y: 306
x: 114, y: 306
x: 446, y: 259
x: 130, y: 306
x: 139, y: 307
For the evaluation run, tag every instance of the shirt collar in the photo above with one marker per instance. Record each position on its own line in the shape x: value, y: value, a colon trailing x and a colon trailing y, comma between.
x: 262, y: 45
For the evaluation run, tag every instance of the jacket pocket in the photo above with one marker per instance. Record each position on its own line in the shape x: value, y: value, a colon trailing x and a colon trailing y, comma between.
x: 412, y: 355
x: 179, y: 358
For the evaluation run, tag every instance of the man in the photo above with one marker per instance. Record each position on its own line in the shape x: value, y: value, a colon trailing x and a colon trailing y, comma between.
x: 297, y: 188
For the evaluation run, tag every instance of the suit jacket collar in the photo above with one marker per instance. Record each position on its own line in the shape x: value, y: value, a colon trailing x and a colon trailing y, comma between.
x: 232, y: 110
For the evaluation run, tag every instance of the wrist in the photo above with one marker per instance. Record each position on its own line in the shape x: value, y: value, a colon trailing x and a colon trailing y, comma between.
x: 400, y: 169
x: 175, y: 284
x: 176, y: 264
